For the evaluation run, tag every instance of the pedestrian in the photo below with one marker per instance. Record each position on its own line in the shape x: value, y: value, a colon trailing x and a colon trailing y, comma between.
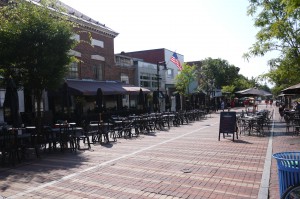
x: 267, y: 103
x: 222, y: 105
x: 271, y: 102
x: 255, y: 105
x: 246, y: 104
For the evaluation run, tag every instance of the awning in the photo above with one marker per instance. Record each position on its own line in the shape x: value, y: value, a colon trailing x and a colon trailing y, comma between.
x: 295, y: 89
x: 254, y: 92
x: 89, y: 87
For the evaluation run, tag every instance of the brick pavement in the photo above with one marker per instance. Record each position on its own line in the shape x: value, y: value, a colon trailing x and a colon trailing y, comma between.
x: 184, y: 162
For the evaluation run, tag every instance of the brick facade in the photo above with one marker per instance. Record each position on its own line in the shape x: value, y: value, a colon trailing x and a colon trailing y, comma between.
x: 109, y: 69
x: 151, y: 56
x: 87, y: 64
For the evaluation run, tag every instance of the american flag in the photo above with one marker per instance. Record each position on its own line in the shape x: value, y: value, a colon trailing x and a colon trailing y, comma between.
x: 175, y: 60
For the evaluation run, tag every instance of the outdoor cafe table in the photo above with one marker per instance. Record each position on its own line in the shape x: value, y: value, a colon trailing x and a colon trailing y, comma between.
x: 251, y: 124
x: 67, y: 133
x: 98, y: 129
x: 15, y: 140
x: 296, y: 127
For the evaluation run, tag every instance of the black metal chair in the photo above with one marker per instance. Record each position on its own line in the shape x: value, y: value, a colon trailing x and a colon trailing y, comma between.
x: 9, y: 146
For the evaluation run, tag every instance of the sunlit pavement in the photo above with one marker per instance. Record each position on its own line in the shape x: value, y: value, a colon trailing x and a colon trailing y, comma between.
x: 183, y: 162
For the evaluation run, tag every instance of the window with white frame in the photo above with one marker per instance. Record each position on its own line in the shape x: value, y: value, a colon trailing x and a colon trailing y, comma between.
x: 124, y: 78
x: 170, y: 73
x: 73, y: 70
x: 98, y: 72
x: 99, y: 43
x: 76, y: 37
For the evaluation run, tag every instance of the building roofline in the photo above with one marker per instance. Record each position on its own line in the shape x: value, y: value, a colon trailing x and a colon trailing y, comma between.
x: 79, y: 18
x: 151, y: 50
x: 86, y: 21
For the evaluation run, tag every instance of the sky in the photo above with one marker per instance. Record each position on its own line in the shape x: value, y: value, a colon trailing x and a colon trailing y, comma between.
x: 196, y: 29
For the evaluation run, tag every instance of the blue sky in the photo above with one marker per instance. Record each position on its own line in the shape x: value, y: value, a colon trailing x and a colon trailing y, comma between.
x: 197, y: 29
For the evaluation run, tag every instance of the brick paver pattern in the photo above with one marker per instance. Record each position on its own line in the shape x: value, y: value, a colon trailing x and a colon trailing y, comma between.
x: 183, y: 162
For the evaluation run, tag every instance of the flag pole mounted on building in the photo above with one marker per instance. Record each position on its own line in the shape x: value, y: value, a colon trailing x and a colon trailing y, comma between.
x: 176, y: 61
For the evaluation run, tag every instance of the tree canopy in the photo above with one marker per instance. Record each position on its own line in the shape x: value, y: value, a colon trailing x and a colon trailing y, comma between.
x: 218, y: 70
x: 214, y: 74
x: 34, y: 45
x: 184, y: 78
x: 279, y: 22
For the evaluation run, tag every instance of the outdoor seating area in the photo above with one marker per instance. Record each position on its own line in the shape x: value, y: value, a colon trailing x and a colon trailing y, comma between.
x: 292, y: 122
x: 254, y: 123
x: 19, y: 143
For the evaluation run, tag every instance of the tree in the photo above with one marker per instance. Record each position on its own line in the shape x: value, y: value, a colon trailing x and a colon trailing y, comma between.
x: 218, y: 70
x: 229, y: 89
x: 34, y: 46
x: 279, y: 24
x: 184, y: 78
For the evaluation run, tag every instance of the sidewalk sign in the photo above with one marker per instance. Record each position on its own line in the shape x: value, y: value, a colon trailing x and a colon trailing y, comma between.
x: 228, y: 124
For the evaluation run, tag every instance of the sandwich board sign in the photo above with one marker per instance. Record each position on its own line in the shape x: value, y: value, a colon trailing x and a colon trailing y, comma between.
x: 228, y: 124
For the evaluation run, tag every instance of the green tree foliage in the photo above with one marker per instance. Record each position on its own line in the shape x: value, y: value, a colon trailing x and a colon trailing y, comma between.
x: 279, y: 24
x: 34, y: 45
x: 243, y: 82
x: 219, y: 70
x: 184, y: 78
x: 229, y: 89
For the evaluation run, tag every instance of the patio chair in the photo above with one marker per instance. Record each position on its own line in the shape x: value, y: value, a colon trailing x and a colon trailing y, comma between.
x: 9, y: 148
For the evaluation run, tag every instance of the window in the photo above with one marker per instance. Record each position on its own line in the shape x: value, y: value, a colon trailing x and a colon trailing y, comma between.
x: 99, y: 43
x: 145, y: 84
x: 124, y: 78
x: 148, y: 80
x: 170, y: 73
x: 73, y: 71
x: 144, y: 76
x: 98, y: 72
x: 154, y: 84
x: 123, y: 61
x: 75, y: 37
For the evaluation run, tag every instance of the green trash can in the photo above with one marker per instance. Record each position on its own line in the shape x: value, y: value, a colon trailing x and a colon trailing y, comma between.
x: 288, y: 164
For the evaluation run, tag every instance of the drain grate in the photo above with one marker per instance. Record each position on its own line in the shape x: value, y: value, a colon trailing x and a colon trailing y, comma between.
x: 186, y: 170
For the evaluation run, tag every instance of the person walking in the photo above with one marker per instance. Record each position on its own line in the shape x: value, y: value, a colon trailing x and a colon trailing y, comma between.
x: 246, y: 104
x: 271, y: 102
x: 267, y: 103
x: 222, y: 105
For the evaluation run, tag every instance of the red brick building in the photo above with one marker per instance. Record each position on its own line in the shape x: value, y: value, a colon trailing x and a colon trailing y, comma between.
x: 95, y: 53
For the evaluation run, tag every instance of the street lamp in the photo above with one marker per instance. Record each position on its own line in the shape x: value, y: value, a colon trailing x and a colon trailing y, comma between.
x: 161, y: 63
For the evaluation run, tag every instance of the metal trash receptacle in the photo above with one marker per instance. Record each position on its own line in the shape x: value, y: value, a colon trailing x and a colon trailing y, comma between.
x: 288, y: 164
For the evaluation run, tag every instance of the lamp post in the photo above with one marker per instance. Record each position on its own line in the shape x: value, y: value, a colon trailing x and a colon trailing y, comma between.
x: 161, y: 63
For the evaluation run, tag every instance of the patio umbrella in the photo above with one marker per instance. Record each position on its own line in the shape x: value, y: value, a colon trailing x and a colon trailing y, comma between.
x: 155, y: 101
x: 197, y: 100
x: 66, y: 100
x: 141, y: 99
x: 178, y: 101
x: 295, y: 89
x: 254, y: 92
x: 11, y: 104
x: 167, y: 102
x: 99, y: 100
x: 192, y: 101
x: 146, y: 101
